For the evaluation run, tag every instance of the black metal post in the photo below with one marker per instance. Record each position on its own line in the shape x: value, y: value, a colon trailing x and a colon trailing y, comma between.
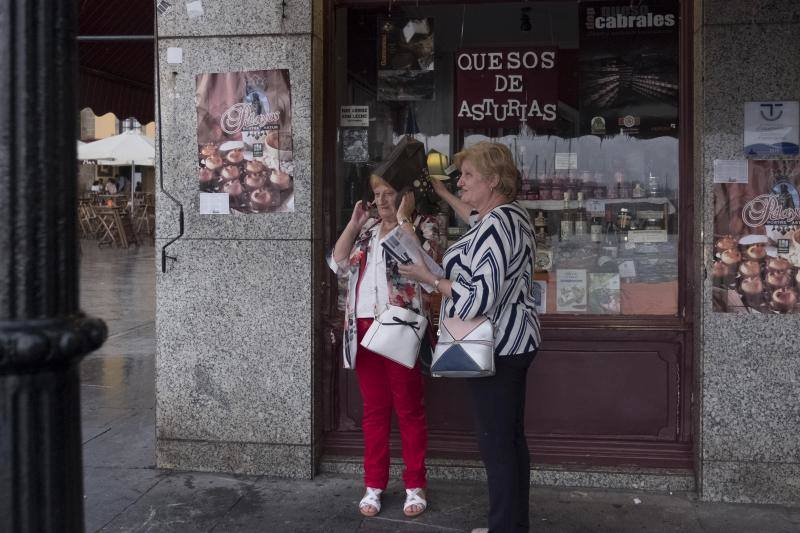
x: 42, y: 332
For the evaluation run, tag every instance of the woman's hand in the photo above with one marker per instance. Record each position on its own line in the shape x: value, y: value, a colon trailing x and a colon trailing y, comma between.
x: 461, y: 208
x: 360, y: 214
x: 417, y: 272
x: 344, y: 244
x: 438, y: 187
x: 407, y: 205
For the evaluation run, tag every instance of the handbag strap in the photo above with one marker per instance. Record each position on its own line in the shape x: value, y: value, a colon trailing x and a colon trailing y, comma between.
x: 487, y: 317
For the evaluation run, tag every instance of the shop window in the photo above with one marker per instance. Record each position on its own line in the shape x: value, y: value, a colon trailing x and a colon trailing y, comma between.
x: 585, y: 94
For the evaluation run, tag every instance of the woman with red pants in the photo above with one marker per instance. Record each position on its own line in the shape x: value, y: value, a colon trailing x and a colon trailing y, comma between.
x: 373, y: 284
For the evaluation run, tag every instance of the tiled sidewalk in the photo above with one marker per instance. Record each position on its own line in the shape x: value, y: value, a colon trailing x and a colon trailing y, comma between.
x: 125, y: 492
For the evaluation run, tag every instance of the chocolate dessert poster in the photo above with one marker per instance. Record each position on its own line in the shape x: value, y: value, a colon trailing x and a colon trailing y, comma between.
x: 244, y: 139
x: 756, y: 266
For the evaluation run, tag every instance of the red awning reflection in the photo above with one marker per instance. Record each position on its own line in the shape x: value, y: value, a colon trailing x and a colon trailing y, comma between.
x: 117, y: 76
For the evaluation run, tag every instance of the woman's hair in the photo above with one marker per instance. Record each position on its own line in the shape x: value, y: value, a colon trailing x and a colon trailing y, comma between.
x: 374, y: 181
x: 492, y: 159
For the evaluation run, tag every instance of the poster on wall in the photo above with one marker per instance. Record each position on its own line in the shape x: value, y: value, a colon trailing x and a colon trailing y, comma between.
x: 355, y: 145
x: 604, y: 293
x: 771, y: 128
x: 540, y: 295
x: 756, y: 267
x: 405, y: 59
x: 628, y: 67
x: 571, y: 290
x: 244, y: 139
x: 506, y: 87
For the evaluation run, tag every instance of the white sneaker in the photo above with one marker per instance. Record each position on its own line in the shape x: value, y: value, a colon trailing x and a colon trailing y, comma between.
x: 481, y: 530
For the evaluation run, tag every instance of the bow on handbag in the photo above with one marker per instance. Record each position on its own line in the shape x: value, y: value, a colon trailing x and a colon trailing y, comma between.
x: 400, y: 322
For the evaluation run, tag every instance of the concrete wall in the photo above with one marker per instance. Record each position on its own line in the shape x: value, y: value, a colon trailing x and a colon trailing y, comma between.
x: 749, y: 435
x: 234, y: 312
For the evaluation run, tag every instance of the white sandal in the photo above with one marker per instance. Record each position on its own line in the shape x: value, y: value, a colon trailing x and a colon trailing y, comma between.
x: 415, y: 497
x: 371, y: 499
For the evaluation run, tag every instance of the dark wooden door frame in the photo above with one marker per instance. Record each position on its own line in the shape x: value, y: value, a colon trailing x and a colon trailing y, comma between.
x: 673, y: 455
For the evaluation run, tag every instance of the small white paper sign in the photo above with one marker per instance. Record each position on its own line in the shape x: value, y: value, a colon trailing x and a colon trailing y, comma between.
x: 174, y: 55
x: 215, y: 203
x: 194, y: 9
x: 647, y: 235
x: 541, y: 289
x: 566, y: 160
x: 593, y: 205
x: 771, y: 128
x: 627, y: 269
x: 354, y: 116
x: 730, y: 171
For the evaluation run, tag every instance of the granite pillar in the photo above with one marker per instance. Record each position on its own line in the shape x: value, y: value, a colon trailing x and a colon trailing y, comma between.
x: 234, y: 309
x: 749, y: 405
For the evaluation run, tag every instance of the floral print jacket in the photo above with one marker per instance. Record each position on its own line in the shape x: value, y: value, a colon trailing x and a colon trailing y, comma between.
x: 402, y: 292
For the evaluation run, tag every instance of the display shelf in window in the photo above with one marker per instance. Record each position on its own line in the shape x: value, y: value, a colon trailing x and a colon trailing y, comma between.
x: 596, y: 204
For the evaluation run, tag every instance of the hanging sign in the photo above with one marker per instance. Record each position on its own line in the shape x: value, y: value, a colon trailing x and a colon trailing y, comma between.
x: 505, y: 87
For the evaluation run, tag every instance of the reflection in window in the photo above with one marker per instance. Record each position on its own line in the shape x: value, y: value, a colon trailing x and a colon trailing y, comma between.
x: 585, y: 96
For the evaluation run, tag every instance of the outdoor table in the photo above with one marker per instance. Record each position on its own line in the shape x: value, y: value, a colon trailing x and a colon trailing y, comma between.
x: 143, y: 212
x: 117, y: 229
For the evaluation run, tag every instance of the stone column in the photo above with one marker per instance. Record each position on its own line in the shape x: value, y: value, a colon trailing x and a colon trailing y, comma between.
x: 749, y: 449
x: 42, y: 332
x: 234, y: 312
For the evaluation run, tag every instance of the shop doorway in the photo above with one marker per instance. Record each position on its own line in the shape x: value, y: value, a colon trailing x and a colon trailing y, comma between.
x: 612, y: 384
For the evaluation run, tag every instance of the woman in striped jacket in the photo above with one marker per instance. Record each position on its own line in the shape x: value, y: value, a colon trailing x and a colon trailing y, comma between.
x: 489, y: 271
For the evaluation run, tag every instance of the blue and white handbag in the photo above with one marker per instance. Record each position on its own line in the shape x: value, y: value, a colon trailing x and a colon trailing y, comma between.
x: 465, y: 348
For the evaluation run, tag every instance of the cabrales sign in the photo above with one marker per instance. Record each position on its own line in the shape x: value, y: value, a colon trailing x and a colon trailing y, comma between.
x: 626, y: 17
x: 503, y: 87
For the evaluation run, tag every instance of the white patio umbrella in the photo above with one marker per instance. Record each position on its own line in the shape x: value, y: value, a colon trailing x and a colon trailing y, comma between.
x: 128, y: 148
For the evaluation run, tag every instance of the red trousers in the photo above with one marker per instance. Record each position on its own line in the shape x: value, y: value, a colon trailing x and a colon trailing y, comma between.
x: 385, y: 385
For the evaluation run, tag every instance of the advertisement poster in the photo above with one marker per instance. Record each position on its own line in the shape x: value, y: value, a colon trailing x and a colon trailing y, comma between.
x: 756, y: 266
x: 571, y: 290
x: 405, y: 59
x: 604, y: 293
x: 628, y: 67
x: 505, y: 87
x: 244, y: 139
x: 355, y: 145
x: 540, y: 294
x: 771, y: 128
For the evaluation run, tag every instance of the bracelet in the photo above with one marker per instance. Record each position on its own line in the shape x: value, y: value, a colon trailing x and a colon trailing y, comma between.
x: 402, y: 221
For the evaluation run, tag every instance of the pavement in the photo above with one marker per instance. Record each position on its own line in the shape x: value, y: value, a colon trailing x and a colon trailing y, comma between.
x: 124, y: 491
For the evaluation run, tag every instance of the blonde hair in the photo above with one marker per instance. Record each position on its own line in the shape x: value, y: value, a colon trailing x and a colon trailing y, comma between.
x: 492, y: 159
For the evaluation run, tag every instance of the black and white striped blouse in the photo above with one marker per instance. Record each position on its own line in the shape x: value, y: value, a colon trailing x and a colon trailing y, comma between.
x: 491, y: 268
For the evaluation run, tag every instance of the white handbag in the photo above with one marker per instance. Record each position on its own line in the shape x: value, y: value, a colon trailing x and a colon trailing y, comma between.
x: 465, y: 348
x: 397, y: 335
